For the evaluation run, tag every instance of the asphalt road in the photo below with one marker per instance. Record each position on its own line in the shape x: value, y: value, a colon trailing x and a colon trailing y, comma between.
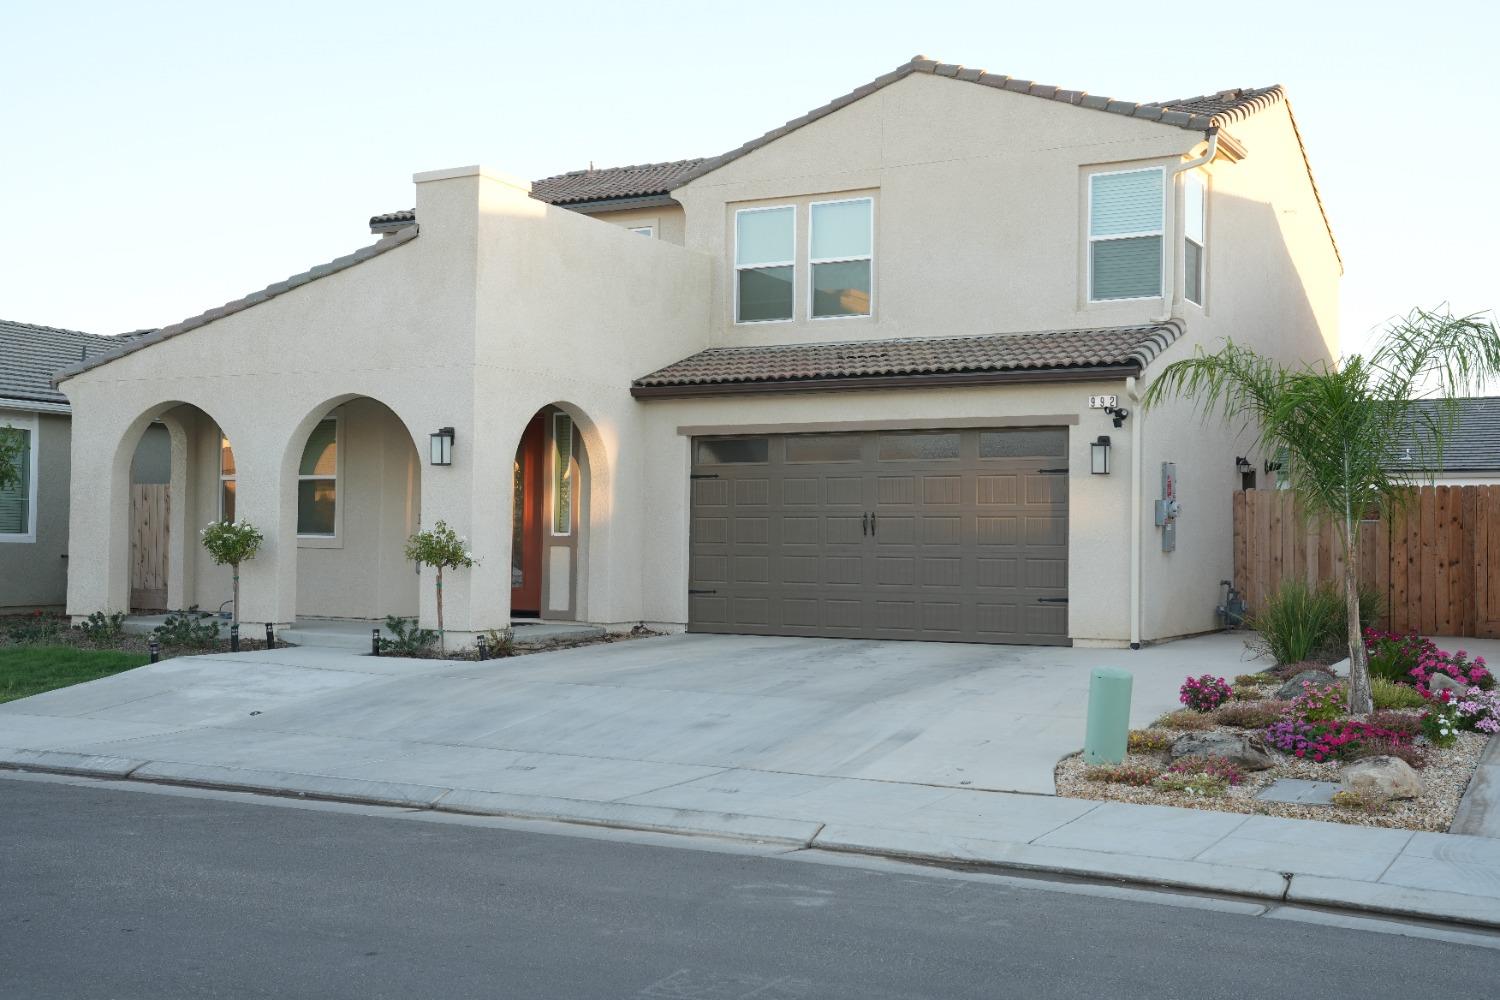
x: 123, y: 894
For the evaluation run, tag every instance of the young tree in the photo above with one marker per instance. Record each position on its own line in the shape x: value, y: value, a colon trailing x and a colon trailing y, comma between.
x: 441, y: 548
x: 232, y: 542
x: 11, y: 448
x: 1339, y: 429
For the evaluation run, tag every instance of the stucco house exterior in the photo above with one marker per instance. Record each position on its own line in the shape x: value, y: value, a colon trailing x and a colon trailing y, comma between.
x: 34, y: 513
x: 873, y: 374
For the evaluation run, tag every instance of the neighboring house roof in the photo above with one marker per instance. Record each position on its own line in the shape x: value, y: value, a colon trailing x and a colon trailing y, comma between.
x: 131, y: 343
x: 31, y: 355
x: 592, y: 186
x: 1473, y: 442
x: 1055, y: 355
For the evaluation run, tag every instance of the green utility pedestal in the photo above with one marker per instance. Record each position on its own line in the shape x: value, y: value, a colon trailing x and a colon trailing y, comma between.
x: 1109, y: 716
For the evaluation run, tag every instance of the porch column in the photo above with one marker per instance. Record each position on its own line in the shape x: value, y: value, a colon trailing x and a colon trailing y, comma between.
x: 267, y: 498
x: 99, y: 511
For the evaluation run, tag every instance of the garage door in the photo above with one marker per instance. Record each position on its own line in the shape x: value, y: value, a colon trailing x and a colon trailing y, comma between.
x: 955, y: 535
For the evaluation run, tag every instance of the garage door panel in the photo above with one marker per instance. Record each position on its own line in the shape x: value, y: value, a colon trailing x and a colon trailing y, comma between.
x: 932, y: 539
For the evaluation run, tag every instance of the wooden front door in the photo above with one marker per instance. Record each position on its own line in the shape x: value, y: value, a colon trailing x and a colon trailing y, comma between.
x: 526, y: 523
x: 149, y: 541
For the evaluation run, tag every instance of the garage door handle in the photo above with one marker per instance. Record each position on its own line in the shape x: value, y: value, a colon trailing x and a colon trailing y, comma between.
x: 864, y: 523
x: 872, y: 522
x: 692, y: 591
x: 1052, y: 600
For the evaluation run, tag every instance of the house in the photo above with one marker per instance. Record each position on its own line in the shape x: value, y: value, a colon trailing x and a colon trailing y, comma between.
x: 1471, y: 451
x: 34, y: 513
x: 872, y: 374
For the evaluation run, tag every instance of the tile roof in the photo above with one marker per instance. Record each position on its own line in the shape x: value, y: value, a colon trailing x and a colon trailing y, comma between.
x: 30, y: 355
x: 1473, y: 443
x: 581, y: 187
x: 131, y: 343
x: 853, y: 363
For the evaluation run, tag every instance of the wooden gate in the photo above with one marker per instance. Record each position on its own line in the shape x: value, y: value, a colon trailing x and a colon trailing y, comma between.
x: 1437, y: 562
x: 149, y: 506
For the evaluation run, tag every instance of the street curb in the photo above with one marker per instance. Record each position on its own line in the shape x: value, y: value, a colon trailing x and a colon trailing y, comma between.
x: 1132, y: 870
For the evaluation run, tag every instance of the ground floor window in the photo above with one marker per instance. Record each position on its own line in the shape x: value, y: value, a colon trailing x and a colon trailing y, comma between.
x: 17, y: 499
x: 317, y: 482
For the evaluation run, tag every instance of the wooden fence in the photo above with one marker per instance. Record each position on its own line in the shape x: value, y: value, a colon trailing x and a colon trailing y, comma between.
x: 149, y: 537
x: 1437, y: 563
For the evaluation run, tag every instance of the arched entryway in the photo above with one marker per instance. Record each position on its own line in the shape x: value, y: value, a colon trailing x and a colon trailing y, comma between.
x: 549, y: 502
x: 352, y: 497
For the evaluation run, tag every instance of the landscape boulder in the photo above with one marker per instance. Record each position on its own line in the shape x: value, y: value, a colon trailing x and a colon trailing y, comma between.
x: 1389, y: 776
x: 1246, y: 752
x: 1439, y: 682
x: 1293, y: 687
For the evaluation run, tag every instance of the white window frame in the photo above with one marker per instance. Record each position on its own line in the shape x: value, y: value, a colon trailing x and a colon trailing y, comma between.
x: 1088, y: 232
x: 233, y: 477
x: 1188, y: 179
x: 25, y: 422
x: 316, y: 541
x: 812, y: 261
x: 647, y: 231
x: 734, y: 260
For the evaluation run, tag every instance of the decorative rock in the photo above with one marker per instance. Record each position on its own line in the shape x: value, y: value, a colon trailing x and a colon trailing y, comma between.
x: 1390, y: 776
x: 1247, y: 752
x: 1293, y: 687
x: 1439, y: 682
x: 1299, y: 791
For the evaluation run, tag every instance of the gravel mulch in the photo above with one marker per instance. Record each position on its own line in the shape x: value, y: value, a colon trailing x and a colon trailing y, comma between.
x: 1444, y: 780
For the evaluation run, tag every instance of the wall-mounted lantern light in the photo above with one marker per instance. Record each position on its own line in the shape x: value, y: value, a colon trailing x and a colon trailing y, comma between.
x: 442, y: 446
x: 1242, y: 466
x: 1099, y: 456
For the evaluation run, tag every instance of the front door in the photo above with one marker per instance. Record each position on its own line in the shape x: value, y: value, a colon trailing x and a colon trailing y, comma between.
x: 526, y: 523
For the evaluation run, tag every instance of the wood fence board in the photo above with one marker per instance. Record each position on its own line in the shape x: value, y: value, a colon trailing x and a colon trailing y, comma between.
x: 1273, y: 543
x: 1441, y: 542
x: 1240, y: 535
x: 1398, y: 571
x: 1382, y: 569
x: 1428, y: 564
x: 1469, y: 620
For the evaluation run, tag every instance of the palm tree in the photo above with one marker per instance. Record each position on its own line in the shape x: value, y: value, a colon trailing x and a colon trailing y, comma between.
x: 1336, y: 428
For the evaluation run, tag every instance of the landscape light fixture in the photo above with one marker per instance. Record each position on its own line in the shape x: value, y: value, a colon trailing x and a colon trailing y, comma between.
x: 442, y: 446
x: 1099, y: 456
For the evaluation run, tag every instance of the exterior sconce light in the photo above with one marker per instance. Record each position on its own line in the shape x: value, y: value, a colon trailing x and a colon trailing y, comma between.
x: 1117, y: 414
x: 442, y: 446
x: 1099, y: 456
x: 1242, y: 466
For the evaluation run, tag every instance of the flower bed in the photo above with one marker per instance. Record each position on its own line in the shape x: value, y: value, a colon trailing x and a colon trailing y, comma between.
x: 1440, y: 731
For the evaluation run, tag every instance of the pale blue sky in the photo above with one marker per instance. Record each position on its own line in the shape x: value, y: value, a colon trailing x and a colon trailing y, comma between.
x: 163, y: 158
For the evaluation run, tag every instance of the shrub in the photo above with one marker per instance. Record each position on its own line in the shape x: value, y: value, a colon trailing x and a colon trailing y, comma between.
x: 191, y: 629
x: 1478, y: 710
x: 1252, y: 715
x: 1392, y: 656
x: 1389, y: 694
x: 1122, y: 774
x: 1206, y: 785
x: 1440, y: 724
x: 1301, y: 622
x: 35, y: 627
x: 1322, y: 741
x: 441, y: 548
x: 1185, y: 719
x: 1209, y: 766
x: 1251, y: 680
x: 1320, y: 704
x: 407, y: 639
x: 501, y: 642
x: 1204, y: 693
x: 1385, y: 748
x: 101, y: 628
x: 1366, y: 799
x: 1148, y: 740
x: 1407, y: 725
x: 1248, y: 694
x: 1455, y: 665
x: 230, y: 543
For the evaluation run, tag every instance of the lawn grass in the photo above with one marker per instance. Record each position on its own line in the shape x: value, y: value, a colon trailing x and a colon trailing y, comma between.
x: 29, y: 670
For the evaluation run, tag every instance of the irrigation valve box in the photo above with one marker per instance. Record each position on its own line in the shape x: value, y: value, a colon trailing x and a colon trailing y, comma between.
x: 1167, y: 508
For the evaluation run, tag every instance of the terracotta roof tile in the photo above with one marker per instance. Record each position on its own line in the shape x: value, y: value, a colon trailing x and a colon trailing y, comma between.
x: 853, y: 360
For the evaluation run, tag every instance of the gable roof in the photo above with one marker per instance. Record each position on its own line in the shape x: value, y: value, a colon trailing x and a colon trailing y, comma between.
x: 1057, y: 355
x: 30, y: 355
x: 131, y: 343
x: 1473, y: 443
x: 639, y: 185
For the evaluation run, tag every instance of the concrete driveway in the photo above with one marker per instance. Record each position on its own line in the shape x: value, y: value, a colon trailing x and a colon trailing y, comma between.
x: 686, y: 721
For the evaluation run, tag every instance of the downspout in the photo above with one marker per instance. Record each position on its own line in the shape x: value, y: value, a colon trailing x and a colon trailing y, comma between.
x: 1131, y: 392
x: 1170, y: 291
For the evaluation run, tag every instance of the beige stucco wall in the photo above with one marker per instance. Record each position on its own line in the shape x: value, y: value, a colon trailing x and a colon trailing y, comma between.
x: 670, y: 221
x: 34, y: 574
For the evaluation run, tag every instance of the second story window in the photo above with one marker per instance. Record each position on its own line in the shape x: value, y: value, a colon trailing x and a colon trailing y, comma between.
x: 841, y: 253
x: 765, y: 241
x: 1125, y: 234
x: 1193, y: 199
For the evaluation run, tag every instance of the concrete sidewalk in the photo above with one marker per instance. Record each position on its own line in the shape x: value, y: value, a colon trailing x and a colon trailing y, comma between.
x: 816, y: 769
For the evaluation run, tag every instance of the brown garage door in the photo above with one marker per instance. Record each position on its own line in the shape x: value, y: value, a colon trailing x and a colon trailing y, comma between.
x: 957, y: 535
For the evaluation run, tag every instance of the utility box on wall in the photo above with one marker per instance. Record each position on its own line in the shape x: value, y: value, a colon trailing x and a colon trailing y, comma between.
x: 1167, y: 508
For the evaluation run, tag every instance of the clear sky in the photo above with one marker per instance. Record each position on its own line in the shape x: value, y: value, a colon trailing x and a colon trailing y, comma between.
x: 162, y: 158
